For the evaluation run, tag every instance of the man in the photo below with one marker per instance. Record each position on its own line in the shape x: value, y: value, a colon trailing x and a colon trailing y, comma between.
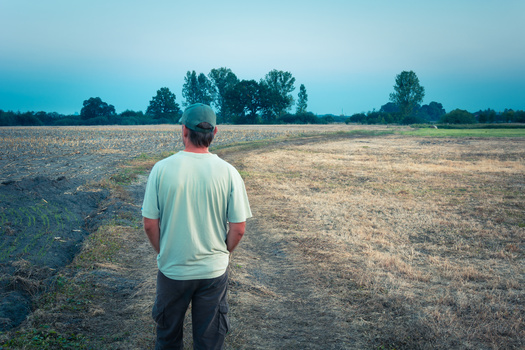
x: 195, y: 210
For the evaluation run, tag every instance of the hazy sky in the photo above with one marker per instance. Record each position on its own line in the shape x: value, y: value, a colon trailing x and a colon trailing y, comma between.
x: 468, y: 54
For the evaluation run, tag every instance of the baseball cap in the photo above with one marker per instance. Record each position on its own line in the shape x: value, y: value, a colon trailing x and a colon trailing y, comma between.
x: 196, y: 114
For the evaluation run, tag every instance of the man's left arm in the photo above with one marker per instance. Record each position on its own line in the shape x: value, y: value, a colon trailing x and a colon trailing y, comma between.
x: 235, y: 233
x: 152, y: 229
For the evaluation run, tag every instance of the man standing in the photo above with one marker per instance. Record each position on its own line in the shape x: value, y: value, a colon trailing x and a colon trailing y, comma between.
x: 195, y: 210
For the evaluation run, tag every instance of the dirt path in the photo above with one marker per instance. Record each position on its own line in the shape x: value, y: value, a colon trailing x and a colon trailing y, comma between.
x: 276, y: 300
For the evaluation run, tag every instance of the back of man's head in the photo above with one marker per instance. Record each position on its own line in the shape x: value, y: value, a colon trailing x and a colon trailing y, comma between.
x: 200, y: 120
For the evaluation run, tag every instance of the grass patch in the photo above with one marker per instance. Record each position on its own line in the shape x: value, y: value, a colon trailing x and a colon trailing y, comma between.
x: 429, y: 132
x: 45, y: 337
x: 130, y: 170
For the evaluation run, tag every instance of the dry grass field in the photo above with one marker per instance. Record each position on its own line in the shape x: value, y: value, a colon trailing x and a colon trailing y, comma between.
x: 357, y: 242
x: 403, y: 242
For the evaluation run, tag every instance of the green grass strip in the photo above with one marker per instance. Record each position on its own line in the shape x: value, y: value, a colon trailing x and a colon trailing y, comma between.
x: 428, y: 132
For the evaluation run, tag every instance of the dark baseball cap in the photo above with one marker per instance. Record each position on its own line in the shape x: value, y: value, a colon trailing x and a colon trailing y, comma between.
x: 198, y: 113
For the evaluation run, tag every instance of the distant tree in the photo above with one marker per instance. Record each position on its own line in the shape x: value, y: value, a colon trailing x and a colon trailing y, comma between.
x: 356, y: 118
x: 95, y: 107
x: 458, y: 116
x: 300, y: 118
x: 487, y: 116
x: 507, y: 116
x: 275, y: 94
x: 163, y: 105
x: 302, y: 100
x: 433, y: 111
x: 223, y: 80
x: 130, y: 114
x: 27, y: 119
x: 519, y: 117
x: 197, y: 89
x: 375, y: 117
x: 327, y: 119
x: 408, y: 93
x: 243, y: 102
x: 389, y: 107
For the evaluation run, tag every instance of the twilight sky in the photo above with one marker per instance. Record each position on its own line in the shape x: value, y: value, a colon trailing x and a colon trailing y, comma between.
x: 468, y: 54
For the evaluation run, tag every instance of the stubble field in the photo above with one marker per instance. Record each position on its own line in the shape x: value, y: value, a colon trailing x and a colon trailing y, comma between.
x: 358, y: 241
x: 399, y: 242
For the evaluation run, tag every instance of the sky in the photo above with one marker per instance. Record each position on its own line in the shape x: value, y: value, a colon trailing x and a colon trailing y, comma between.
x: 467, y: 54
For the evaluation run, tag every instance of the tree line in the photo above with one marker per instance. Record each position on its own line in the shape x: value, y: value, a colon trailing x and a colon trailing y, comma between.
x: 267, y: 101
x: 405, y: 108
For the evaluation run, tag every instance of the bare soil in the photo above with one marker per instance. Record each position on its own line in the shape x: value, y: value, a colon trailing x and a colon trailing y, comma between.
x: 356, y: 243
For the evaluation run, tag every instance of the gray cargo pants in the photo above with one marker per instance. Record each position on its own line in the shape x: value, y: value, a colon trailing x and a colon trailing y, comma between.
x: 209, y: 311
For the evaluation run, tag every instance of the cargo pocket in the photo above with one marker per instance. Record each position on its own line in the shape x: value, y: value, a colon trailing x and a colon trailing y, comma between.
x: 224, y: 322
x: 158, y: 315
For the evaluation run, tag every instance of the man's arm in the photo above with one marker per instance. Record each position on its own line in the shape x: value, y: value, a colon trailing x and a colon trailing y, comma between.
x: 235, y: 233
x: 152, y: 229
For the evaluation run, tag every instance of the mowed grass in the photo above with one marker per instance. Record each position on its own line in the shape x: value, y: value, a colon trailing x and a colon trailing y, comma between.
x: 467, y: 132
x: 417, y: 242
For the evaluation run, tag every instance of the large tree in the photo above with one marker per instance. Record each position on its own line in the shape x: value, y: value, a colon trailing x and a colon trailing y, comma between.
x: 197, y: 89
x: 408, y: 93
x: 223, y: 80
x: 163, y: 105
x: 302, y: 100
x: 275, y: 94
x: 95, y: 107
x: 244, y: 102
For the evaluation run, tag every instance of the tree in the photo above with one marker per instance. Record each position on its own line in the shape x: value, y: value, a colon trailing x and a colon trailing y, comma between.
x: 197, y: 89
x: 223, y: 80
x: 95, y: 107
x: 390, y: 108
x: 244, y: 102
x: 507, y: 116
x: 433, y: 111
x: 487, y: 116
x: 275, y: 94
x: 458, y: 116
x: 519, y: 117
x: 163, y: 105
x: 356, y: 118
x: 302, y: 101
x: 407, y: 93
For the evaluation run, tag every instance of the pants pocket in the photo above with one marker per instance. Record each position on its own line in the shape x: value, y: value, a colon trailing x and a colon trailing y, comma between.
x: 224, y: 321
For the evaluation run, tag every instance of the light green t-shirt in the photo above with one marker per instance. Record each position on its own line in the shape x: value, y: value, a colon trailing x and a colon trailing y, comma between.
x: 194, y: 195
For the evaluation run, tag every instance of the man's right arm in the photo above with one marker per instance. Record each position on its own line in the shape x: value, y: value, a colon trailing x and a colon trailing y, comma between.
x: 235, y: 233
x: 152, y: 229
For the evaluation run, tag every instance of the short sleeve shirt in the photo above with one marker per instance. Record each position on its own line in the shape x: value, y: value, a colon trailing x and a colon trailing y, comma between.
x: 194, y: 195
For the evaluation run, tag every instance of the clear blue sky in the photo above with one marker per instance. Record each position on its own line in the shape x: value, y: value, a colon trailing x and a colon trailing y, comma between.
x: 468, y: 54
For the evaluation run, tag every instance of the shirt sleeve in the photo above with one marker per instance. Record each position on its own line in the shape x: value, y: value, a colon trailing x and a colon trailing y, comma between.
x: 150, y: 205
x: 238, y: 204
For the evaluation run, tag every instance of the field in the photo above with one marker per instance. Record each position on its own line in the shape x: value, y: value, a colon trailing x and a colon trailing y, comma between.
x: 52, y: 184
x: 360, y: 240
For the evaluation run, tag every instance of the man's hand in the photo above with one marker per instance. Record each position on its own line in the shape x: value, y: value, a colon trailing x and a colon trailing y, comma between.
x: 235, y: 233
x: 152, y: 229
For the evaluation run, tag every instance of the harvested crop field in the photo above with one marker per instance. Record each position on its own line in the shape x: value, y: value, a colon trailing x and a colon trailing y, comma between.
x: 357, y: 242
x: 52, y: 182
x: 385, y: 243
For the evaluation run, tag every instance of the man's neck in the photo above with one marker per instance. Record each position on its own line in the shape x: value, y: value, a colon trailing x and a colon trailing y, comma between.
x: 192, y: 149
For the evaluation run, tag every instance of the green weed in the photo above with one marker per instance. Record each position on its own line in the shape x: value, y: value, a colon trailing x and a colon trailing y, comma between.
x: 44, y: 337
